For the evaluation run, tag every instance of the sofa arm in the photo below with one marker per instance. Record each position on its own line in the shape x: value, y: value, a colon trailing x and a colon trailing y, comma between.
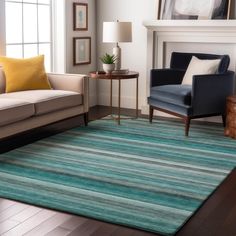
x: 71, y: 82
x: 166, y: 76
x: 209, y: 92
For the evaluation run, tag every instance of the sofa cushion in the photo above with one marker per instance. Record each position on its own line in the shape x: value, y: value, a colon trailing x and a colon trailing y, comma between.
x: 173, y: 94
x: 46, y: 101
x: 13, y: 110
x: 24, y: 74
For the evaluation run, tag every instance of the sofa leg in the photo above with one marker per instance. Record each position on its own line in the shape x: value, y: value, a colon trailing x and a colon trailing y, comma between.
x: 150, y: 114
x: 86, y: 119
x: 224, y: 119
x: 187, y: 125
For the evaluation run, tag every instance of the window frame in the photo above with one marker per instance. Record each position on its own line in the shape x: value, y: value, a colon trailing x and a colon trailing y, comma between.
x: 37, y: 42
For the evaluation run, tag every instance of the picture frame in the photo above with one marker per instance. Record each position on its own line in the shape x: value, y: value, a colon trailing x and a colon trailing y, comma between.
x: 194, y: 10
x: 223, y: 11
x: 159, y: 9
x: 80, y: 16
x: 81, y: 50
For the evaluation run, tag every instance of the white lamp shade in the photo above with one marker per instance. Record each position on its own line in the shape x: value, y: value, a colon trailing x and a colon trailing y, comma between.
x: 115, y: 32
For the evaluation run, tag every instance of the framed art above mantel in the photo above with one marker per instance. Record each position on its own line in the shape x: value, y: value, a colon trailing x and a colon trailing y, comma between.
x: 194, y: 10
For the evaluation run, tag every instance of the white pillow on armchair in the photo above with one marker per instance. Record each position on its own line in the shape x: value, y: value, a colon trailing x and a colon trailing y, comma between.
x: 200, y: 67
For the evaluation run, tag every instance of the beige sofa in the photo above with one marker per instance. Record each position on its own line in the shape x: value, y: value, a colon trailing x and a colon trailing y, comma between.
x: 26, y: 110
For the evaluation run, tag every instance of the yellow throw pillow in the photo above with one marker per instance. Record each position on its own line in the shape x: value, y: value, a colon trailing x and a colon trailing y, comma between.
x: 24, y: 74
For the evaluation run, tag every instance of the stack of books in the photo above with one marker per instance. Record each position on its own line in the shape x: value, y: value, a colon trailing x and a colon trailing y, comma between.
x: 122, y: 71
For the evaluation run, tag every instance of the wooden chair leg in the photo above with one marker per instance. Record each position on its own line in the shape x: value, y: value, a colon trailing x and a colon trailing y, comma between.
x: 150, y: 114
x: 86, y: 119
x: 187, y: 125
x: 224, y: 120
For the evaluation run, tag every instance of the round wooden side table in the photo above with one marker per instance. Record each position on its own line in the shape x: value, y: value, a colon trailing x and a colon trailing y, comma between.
x: 230, y: 129
x: 125, y: 76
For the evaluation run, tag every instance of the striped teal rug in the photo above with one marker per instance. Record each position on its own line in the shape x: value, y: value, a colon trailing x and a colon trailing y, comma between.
x: 147, y: 176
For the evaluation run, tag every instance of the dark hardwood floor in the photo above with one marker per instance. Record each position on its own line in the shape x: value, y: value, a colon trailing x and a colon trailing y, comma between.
x: 217, y: 217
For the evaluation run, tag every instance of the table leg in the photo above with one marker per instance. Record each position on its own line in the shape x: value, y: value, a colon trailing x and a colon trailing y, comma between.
x: 111, y: 97
x: 119, y: 102
x: 136, y: 97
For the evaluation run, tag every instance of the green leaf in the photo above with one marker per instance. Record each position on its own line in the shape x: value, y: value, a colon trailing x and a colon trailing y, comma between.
x: 108, y: 59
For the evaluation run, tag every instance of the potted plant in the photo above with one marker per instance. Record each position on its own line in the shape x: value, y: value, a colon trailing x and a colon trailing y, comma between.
x: 108, y: 62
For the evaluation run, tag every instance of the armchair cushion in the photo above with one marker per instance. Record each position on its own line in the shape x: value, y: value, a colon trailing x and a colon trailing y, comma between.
x: 200, y: 67
x: 173, y: 94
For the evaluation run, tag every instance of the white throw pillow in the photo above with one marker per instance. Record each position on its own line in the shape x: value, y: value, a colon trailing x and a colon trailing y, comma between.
x: 200, y: 67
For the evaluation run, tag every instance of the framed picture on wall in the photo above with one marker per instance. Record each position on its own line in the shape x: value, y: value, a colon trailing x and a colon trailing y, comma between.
x: 80, y: 16
x: 82, y: 50
x: 192, y: 9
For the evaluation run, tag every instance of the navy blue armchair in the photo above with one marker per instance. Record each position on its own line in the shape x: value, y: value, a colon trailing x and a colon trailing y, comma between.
x: 205, y: 97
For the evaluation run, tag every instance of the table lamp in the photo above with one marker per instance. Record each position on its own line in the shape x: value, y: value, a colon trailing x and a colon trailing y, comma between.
x: 117, y: 32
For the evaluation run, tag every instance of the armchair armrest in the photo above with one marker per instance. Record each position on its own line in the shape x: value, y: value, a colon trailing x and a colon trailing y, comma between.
x: 71, y: 82
x: 166, y: 76
x: 209, y: 92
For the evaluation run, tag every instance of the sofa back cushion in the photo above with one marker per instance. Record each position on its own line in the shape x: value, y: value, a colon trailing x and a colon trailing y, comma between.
x: 181, y: 60
x: 2, y: 81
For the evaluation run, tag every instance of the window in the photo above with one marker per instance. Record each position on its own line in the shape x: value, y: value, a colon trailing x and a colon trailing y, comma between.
x: 28, y: 29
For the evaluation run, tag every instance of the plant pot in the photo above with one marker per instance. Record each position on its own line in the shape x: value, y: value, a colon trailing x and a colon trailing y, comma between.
x: 108, y: 68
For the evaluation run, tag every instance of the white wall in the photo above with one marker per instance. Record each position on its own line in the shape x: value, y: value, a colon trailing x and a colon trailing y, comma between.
x: 70, y: 33
x: 133, y: 54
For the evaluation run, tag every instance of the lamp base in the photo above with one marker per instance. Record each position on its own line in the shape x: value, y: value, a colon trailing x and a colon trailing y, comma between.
x: 117, y: 53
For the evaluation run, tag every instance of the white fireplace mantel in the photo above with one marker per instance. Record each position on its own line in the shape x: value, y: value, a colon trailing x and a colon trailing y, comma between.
x: 190, y: 25
x: 160, y: 32
x: 187, y: 31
